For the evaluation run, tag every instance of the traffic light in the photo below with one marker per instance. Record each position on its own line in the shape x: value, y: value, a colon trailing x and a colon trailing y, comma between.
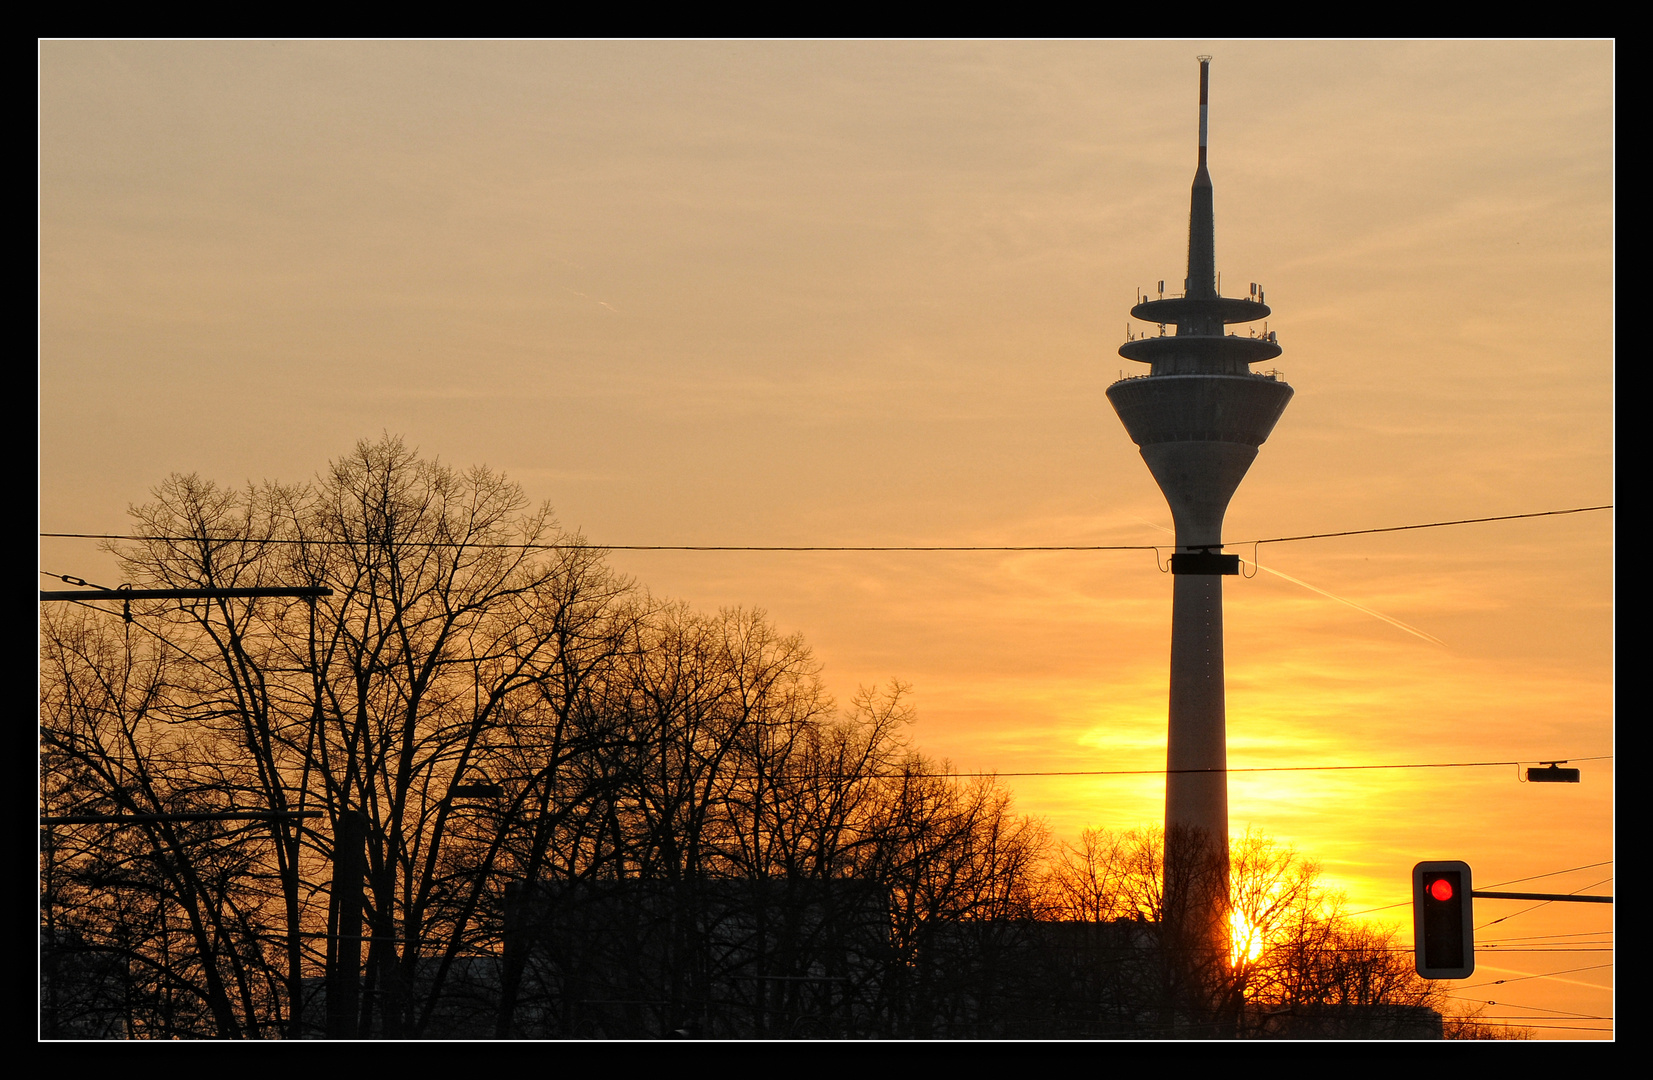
x: 1443, y: 929
x: 1552, y: 773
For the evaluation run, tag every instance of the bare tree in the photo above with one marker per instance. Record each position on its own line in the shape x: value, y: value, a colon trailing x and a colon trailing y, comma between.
x: 1298, y: 966
x: 450, y: 633
x: 499, y: 712
x: 177, y: 910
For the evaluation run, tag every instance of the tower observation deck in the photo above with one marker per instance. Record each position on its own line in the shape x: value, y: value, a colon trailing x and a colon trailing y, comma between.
x: 1198, y: 416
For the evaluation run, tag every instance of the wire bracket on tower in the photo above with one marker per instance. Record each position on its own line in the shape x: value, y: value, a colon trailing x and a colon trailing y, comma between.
x: 1206, y: 561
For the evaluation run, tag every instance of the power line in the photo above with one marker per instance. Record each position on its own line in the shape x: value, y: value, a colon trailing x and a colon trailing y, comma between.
x: 580, y: 544
x: 169, y: 819
x: 1536, y: 949
x: 1279, y: 768
x: 1552, y: 873
x: 583, y: 544
x: 1534, y: 1008
x: 1559, y: 1014
x: 1090, y: 772
x: 1424, y: 525
x: 1541, y: 975
x: 1536, y: 937
x: 1408, y: 950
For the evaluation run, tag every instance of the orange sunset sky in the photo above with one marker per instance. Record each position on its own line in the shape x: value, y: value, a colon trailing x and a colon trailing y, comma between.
x: 870, y: 293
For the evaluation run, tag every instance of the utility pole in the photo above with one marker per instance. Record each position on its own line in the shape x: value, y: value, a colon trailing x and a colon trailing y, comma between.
x: 345, y: 968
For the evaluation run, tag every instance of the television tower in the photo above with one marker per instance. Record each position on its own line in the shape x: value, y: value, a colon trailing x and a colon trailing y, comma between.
x: 1199, y: 415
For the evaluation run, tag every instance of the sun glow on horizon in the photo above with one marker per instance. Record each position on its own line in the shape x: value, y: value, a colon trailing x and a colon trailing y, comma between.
x: 1245, y: 940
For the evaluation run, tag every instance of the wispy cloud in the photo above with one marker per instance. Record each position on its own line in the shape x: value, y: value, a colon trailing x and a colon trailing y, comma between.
x: 594, y: 300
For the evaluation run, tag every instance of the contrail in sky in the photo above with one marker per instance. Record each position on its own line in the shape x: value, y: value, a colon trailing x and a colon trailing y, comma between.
x: 1391, y: 620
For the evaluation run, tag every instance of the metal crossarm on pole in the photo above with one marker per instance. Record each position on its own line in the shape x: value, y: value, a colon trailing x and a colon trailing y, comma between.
x: 301, y: 591
x: 150, y: 819
x: 1567, y: 898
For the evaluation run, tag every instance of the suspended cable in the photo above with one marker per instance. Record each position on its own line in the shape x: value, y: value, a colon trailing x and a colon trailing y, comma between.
x: 574, y: 545
x: 1541, y: 975
x: 781, y: 776
x: 581, y: 543
x: 1552, y: 873
x: 1279, y: 768
x: 1504, y: 950
x: 1536, y: 937
x: 1422, y: 525
x: 1535, y: 1008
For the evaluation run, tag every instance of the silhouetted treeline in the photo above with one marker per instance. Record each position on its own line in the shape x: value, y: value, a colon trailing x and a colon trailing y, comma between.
x: 620, y: 746
x: 586, y: 812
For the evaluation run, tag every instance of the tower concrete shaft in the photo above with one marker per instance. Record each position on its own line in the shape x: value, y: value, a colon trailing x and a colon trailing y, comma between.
x: 1198, y: 416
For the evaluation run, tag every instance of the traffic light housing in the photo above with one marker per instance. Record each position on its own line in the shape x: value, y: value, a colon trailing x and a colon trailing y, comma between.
x: 1552, y: 773
x: 1443, y: 928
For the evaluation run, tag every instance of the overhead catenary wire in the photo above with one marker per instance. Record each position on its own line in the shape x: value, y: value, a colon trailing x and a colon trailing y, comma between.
x: 1552, y: 873
x: 1536, y: 937
x: 1269, y: 768
x: 1518, y: 1018
x: 1567, y: 1013
x: 989, y: 774
x: 1504, y: 950
x: 1421, y: 525
x: 584, y: 544
x: 1408, y: 950
x: 1540, y: 975
x: 1564, y: 1027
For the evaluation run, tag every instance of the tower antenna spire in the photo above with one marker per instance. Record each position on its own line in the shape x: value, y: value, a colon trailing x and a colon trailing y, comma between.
x: 1202, y: 244
x: 1205, y: 97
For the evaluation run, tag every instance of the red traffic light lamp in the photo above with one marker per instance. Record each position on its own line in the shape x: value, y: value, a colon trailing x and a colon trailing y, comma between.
x: 1443, y: 929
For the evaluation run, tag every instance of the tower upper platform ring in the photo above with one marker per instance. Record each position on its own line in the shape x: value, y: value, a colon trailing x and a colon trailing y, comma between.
x: 1211, y: 348
x: 1171, y: 309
